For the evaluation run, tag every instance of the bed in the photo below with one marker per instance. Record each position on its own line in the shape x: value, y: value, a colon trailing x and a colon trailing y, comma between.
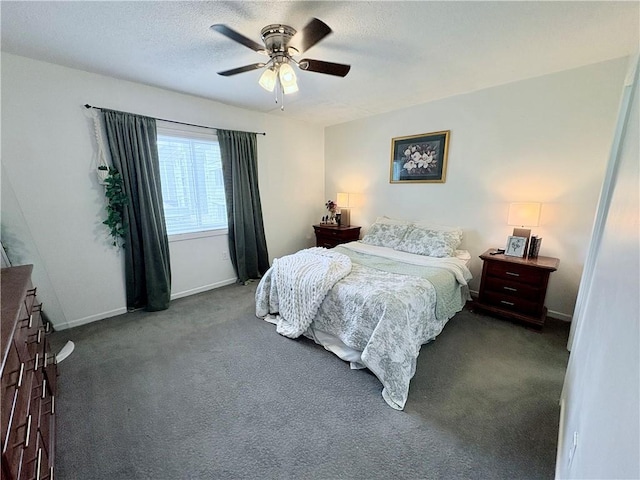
x: 373, y: 302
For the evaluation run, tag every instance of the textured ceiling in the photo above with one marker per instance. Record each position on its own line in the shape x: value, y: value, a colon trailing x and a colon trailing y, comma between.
x: 402, y: 53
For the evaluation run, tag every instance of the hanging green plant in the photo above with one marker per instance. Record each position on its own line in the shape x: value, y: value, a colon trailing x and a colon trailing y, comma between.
x: 117, y: 200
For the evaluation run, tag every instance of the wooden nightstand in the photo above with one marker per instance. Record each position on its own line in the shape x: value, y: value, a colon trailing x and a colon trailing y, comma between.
x: 515, y: 287
x: 329, y: 236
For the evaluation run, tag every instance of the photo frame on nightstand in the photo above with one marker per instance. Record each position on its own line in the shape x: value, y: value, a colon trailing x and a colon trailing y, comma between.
x: 516, y: 246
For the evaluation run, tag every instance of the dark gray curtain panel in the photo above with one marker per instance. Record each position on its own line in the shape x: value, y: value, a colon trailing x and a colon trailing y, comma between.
x: 132, y: 141
x: 247, y: 242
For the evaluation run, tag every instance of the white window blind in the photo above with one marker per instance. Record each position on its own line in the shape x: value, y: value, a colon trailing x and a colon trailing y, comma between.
x: 192, y: 183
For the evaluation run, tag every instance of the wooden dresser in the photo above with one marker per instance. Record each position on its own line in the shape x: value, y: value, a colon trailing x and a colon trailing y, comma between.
x: 329, y: 236
x: 29, y: 376
x: 515, y: 287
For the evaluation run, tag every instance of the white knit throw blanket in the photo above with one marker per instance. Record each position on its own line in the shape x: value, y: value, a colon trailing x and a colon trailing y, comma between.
x: 302, y: 280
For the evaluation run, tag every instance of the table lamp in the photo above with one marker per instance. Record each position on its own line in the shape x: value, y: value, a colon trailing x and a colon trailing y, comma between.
x: 345, y: 213
x: 524, y: 214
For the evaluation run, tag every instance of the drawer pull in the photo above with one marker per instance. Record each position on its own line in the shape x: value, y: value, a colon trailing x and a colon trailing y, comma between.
x: 49, y: 359
x: 38, y: 338
x: 36, y: 362
x: 31, y: 291
x: 513, y: 274
x: 507, y: 303
x: 44, y: 387
x: 18, y: 384
x: 52, y: 401
x: 28, y: 321
x: 28, y: 433
x: 510, y: 289
x: 39, y: 464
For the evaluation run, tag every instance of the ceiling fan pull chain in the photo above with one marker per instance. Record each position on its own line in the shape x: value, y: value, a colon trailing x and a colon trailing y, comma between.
x: 282, y: 98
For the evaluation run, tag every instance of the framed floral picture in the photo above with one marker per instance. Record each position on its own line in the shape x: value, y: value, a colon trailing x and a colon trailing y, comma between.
x: 516, y: 246
x: 420, y: 158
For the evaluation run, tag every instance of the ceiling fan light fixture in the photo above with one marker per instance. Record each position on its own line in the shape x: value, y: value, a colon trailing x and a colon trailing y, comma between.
x: 281, y: 43
x: 288, y: 78
x: 268, y: 80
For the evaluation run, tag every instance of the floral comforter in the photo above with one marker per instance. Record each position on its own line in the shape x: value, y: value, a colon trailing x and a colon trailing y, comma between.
x: 387, y: 307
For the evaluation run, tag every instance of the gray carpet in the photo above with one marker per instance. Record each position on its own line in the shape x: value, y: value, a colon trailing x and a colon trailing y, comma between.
x: 205, y: 390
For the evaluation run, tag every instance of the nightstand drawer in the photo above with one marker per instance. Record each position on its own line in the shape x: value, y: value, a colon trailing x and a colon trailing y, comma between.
x: 326, y: 243
x: 515, y: 304
x: 515, y: 273
x: 512, y: 289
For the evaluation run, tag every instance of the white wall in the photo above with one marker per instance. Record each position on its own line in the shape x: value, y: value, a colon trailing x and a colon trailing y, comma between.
x: 544, y: 139
x: 601, y: 395
x: 48, y: 157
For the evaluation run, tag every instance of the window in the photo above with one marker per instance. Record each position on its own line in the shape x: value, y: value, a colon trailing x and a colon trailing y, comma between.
x: 192, y: 183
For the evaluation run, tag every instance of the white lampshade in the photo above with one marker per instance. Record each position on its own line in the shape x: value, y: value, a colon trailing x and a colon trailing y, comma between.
x: 342, y: 199
x: 525, y: 214
x: 268, y: 80
x: 288, y: 78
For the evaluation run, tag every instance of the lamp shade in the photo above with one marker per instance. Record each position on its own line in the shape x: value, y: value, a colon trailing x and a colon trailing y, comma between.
x: 342, y: 199
x: 525, y: 214
x: 268, y: 80
x: 288, y: 78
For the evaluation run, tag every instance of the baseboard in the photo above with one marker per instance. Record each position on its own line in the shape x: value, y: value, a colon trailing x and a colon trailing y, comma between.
x: 559, y: 316
x: 193, y: 291
x: 89, y: 319
x: 120, y: 311
x: 551, y: 313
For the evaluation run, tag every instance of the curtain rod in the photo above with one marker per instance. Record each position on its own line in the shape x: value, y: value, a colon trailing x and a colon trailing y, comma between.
x: 86, y: 105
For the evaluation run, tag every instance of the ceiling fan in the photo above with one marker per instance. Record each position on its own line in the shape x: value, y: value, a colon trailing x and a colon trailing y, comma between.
x: 281, y: 43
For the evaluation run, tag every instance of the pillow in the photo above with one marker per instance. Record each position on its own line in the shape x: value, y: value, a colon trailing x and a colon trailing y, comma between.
x: 392, y: 221
x: 385, y: 234
x: 439, y: 228
x: 432, y: 243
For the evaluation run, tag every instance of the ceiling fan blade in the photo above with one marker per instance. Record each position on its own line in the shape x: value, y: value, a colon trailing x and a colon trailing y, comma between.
x: 237, y: 37
x: 312, y: 33
x: 330, y: 68
x: 246, y: 68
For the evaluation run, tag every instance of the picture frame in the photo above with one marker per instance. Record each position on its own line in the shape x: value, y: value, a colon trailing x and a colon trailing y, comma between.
x: 420, y: 158
x: 516, y: 246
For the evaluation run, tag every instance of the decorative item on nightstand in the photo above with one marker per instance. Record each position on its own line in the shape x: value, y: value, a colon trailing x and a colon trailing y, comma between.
x: 332, y: 207
x: 524, y: 214
x: 534, y: 246
x: 345, y: 212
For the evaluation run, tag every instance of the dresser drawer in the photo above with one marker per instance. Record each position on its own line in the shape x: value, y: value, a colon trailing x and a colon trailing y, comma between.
x: 19, y: 442
x: 13, y: 378
x: 515, y: 273
x: 326, y: 242
x: 509, y: 288
x: 510, y: 303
